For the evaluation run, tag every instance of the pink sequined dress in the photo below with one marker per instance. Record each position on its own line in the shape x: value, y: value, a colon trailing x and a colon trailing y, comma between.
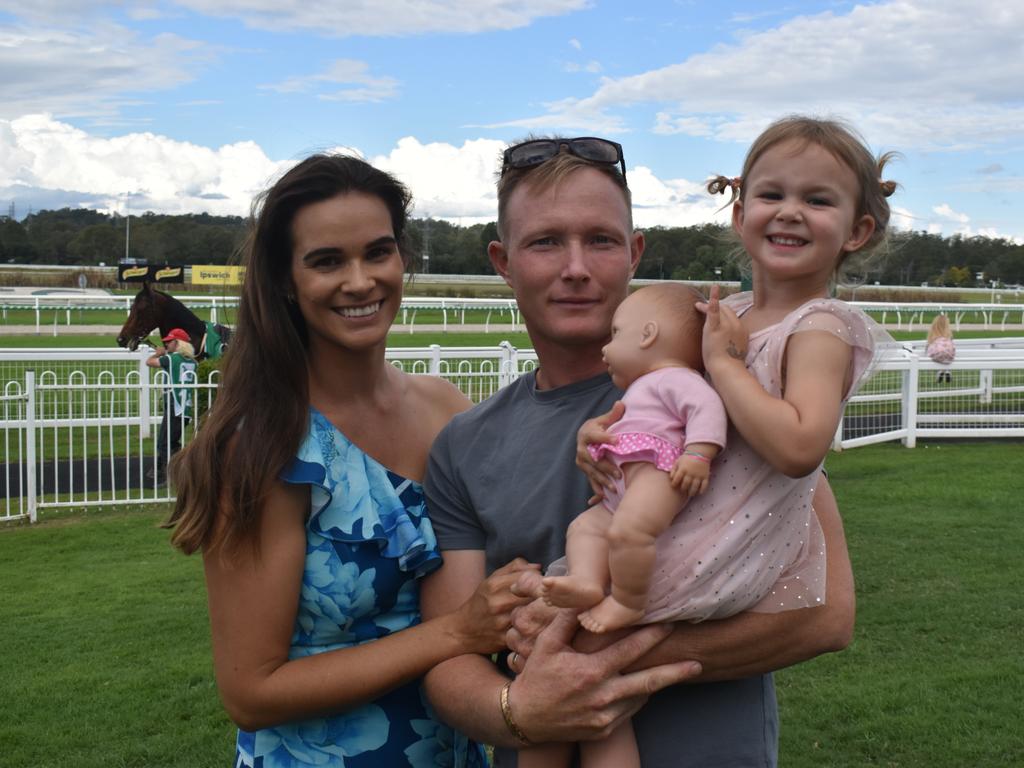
x: 752, y: 541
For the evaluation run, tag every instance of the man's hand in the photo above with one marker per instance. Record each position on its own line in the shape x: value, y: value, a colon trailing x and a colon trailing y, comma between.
x: 564, y: 695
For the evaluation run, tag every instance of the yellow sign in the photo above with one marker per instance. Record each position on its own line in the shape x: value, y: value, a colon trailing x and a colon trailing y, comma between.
x: 168, y: 273
x: 131, y: 272
x: 217, y: 275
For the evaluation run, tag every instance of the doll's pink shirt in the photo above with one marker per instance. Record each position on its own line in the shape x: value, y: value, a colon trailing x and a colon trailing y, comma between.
x: 666, y: 410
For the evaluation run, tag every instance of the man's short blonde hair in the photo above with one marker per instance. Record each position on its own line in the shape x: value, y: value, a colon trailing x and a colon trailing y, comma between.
x: 549, y: 174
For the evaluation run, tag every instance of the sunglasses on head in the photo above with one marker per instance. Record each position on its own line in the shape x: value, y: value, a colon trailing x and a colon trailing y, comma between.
x: 590, y: 148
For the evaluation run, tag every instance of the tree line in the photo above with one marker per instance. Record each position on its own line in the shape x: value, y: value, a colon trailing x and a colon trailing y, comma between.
x: 704, y: 252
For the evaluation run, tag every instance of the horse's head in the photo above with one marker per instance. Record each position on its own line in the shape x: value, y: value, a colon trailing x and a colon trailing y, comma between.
x: 142, y: 319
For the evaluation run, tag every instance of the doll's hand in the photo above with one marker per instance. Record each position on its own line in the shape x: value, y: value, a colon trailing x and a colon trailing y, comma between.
x: 724, y: 338
x: 601, y: 474
x: 690, y: 474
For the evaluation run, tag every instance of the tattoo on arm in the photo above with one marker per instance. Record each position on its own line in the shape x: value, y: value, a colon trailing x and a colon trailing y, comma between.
x: 733, y: 352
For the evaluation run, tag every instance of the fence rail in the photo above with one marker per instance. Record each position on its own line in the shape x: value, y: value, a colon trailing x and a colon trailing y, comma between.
x: 58, y: 309
x: 78, y: 427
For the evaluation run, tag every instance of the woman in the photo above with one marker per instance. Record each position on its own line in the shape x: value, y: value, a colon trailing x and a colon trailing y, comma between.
x: 302, y: 491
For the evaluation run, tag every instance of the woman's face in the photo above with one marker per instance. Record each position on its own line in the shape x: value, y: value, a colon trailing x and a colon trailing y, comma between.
x: 346, y: 271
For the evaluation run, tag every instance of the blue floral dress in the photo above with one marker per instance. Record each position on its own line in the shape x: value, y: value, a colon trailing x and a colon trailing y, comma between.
x: 367, y: 542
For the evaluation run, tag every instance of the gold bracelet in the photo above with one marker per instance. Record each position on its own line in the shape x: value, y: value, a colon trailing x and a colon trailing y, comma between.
x: 506, y: 712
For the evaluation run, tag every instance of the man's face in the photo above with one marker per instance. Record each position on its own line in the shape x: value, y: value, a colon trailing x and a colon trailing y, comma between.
x: 568, y: 254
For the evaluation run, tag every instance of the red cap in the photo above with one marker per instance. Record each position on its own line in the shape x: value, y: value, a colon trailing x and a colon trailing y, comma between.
x: 176, y: 334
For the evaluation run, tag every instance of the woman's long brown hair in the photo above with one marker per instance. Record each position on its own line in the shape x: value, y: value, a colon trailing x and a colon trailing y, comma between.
x: 262, y: 406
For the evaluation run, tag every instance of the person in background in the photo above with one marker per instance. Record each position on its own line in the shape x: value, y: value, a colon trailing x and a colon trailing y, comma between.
x: 302, y: 490
x: 178, y: 360
x: 940, y: 347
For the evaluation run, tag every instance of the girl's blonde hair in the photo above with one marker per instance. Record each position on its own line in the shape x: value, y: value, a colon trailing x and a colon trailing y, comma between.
x: 843, y: 143
x: 940, y: 329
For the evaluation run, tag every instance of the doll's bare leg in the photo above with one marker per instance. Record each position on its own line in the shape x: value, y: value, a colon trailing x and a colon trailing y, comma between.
x: 546, y: 756
x: 586, y: 554
x: 619, y: 750
x: 648, y: 506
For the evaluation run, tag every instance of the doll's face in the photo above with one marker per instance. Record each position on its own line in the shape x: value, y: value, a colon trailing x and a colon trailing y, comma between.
x: 625, y: 355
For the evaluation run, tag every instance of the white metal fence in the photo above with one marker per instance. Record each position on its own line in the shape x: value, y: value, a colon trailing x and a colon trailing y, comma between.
x: 79, y: 428
x: 60, y: 310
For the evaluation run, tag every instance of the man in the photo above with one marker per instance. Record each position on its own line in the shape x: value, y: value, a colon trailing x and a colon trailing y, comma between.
x: 501, y: 482
x: 177, y: 359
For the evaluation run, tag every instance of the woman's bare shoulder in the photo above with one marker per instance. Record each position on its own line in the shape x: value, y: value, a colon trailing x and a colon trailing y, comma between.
x: 438, y: 393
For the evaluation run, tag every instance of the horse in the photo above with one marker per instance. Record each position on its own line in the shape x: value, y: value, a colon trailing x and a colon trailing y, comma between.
x: 156, y: 309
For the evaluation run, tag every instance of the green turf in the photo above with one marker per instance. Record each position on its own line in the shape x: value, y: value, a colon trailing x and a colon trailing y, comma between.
x: 106, y: 657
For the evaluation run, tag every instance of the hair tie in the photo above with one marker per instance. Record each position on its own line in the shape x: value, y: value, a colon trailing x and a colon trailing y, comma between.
x: 888, y: 187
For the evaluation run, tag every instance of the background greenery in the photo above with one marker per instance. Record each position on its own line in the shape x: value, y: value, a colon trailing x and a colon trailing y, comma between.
x: 106, y: 656
x: 79, y: 236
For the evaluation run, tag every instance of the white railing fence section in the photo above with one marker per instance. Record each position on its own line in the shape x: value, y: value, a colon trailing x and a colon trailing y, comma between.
x: 79, y: 428
x: 910, y: 397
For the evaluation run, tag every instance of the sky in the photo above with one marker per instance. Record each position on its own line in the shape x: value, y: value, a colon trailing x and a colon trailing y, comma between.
x: 178, y: 106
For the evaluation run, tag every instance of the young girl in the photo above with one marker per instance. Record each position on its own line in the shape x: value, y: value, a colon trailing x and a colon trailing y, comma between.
x: 940, y: 347
x: 784, y: 359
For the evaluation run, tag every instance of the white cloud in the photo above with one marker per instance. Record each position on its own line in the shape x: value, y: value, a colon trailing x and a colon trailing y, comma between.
x: 47, y: 163
x: 87, y: 73
x: 576, y: 44
x: 159, y: 174
x: 385, y: 17
x: 946, y: 212
x: 341, y: 72
x: 931, y: 74
x: 448, y: 182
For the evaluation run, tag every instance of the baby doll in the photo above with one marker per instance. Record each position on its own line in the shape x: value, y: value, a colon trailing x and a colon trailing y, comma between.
x: 673, y: 428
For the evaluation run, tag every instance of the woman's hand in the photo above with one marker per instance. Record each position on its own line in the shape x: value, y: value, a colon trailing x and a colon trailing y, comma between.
x: 486, y: 616
x: 601, y: 474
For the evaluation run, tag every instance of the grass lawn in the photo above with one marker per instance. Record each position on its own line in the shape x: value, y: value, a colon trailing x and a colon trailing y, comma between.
x: 106, y: 647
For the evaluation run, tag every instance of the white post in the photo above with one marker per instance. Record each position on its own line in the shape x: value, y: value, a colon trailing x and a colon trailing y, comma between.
x: 30, y: 489
x: 435, y: 359
x: 910, y: 383
x: 985, y: 382
x: 37, y: 316
x: 509, y: 364
x: 144, y: 412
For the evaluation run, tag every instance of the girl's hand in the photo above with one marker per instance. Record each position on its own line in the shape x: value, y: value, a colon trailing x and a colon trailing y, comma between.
x: 601, y: 474
x: 482, y: 621
x: 724, y: 337
x: 690, y: 475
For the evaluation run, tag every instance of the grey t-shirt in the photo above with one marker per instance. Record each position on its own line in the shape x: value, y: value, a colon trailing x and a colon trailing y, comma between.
x: 502, y: 478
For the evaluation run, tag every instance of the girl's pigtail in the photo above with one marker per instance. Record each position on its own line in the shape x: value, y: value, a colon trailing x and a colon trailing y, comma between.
x: 717, y: 185
x: 887, y: 187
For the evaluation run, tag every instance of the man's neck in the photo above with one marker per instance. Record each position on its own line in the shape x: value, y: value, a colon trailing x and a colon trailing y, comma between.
x: 559, y: 367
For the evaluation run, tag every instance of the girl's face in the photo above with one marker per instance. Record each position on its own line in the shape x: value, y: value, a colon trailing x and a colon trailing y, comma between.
x: 797, y: 216
x: 346, y: 271
x: 626, y: 358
